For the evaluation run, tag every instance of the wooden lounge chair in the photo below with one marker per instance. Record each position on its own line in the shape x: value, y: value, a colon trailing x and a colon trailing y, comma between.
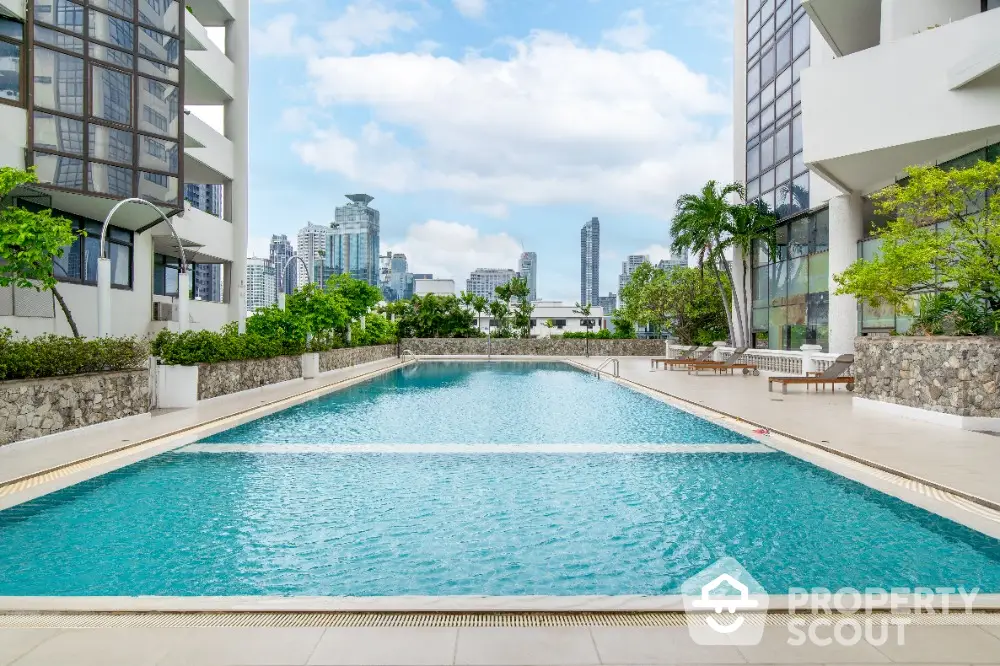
x: 697, y: 354
x: 729, y: 365
x: 831, y: 376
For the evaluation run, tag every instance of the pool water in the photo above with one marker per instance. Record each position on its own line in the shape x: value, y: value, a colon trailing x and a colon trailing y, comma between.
x: 363, y: 524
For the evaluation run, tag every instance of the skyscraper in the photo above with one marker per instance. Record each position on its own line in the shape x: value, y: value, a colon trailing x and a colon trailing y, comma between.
x: 311, y: 246
x: 281, y: 252
x: 590, y: 262
x: 628, y: 267
x: 205, y: 197
x: 528, y: 268
x: 353, y: 243
x: 260, y: 284
x: 608, y: 303
x: 397, y: 275
x: 484, y: 281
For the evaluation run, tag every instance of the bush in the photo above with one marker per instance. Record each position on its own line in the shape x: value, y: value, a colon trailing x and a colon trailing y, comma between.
x: 194, y: 347
x: 946, y: 313
x: 378, y: 331
x: 603, y: 334
x: 55, y: 355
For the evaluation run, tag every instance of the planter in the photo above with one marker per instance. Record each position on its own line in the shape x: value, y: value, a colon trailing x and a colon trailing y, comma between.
x: 176, y: 386
x: 310, y: 365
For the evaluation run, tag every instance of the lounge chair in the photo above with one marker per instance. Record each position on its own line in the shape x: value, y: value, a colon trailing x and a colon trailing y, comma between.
x: 831, y: 376
x: 729, y: 365
x: 696, y: 354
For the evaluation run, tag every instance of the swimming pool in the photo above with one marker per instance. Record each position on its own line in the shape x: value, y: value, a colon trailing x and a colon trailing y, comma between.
x: 240, y: 522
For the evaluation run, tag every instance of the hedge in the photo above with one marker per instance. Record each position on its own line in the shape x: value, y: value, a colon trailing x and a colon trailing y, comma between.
x: 56, y: 355
x: 194, y: 347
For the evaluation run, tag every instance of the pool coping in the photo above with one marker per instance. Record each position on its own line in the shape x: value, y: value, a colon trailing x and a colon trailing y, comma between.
x: 120, y: 457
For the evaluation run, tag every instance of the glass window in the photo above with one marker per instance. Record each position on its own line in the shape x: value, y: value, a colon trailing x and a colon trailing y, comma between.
x: 993, y: 152
x: 776, y: 327
x: 111, y: 95
x: 113, y: 145
x: 796, y: 93
x: 819, y: 235
x: 767, y: 152
x: 158, y: 154
x: 68, y: 265
x: 753, y: 127
x: 798, y: 237
x: 796, y: 134
x: 160, y: 14
x: 157, y: 186
x: 109, y: 179
x: 114, y: 31
x: 800, y: 193
x: 159, y: 46
x: 121, y: 7
x: 798, y: 165
x: 760, y: 280
x: 781, y: 240
x: 784, y: 103
x: 60, y: 171
x: 800, y: 35
x: 165, y: 272
x: 60, y: 13
x: 59, y: 134
x: 767, y: 182
x: 784, y: 80
x: 760, y: 320
x: 159, y: 104
x: 753, y: 188
x: 108, y: 54
x: 767, y: 8
x: 766, y: 29
x: 781, y: 198
x: 753, y: 81
x: 800, y: 64
x: 753, y: 162
x: 12, y: 29
x: 819, y: 272
x: 783, y: 12
x: 767, y: 66
x: 992, y: 4
x: 753, y: 45
x: 158, y: 70
x: 798, y: 278
x: 58, y: 39
x: 781, y: 143
x: 767, y: 116
x: 753, y: 106
x: 783, y: 172
x: 58, y: 81
x: 767, y: 94
x: 121, y: 264
x: 754, y: 24
x: 783, y: 54
x: 10, y: 71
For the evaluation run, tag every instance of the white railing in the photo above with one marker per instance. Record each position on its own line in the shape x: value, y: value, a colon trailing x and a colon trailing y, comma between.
x: 786, y: 362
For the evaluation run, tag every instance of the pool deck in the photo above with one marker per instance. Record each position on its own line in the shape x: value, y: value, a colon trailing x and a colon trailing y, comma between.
x: 967, y: 463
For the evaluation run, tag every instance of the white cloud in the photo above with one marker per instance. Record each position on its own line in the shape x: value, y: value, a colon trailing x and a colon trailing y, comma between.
x: 453, y: 250
x: 631, y: 33
x: 364, y: 24
x: 259, y: 246
x: 470, y: 8
x: 656, y: 252
x: 555, y: 122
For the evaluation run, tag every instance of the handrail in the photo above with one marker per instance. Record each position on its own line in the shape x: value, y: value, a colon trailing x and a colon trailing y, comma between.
x: 614, y: 361
x: 410, y: 352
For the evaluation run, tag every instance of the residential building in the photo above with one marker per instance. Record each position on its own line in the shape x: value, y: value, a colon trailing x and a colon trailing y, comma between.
x: 528, y: 269
x: 590, y: 261
x: 207, y: 282
x: 140, y: 64
x: 608, y: 303
x: 312, y: 247
x: 398, y: 269
x: 441, y: 287
x: 832, y: 101
x: 286, y: 271
x: 628, y: 267
x: 484, y: 281
x: 204, y: 197
x: 261, y: 291
x: 667, y: 264
x: 353, y: 243
x: 565, y: 317
x: 411, y: 280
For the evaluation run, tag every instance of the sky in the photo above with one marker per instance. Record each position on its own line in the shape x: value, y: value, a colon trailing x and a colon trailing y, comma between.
x: 484, y: 128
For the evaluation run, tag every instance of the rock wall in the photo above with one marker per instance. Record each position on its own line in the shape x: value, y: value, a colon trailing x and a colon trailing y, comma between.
x: 533, y: 347
x: 215, y: 379
x: 958, y: 376
x: 348, y: 356
x: 36, y: 407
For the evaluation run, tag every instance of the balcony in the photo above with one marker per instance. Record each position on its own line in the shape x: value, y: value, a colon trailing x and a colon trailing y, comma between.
x: 213, y: 13
x: 206, y: 238
x: 209, y: 76
x: 208, y: 156
x: 921, y: 99
x: 847, y: 26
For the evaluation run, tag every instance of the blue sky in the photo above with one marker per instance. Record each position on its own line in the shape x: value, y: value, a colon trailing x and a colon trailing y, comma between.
x: 487, y: 127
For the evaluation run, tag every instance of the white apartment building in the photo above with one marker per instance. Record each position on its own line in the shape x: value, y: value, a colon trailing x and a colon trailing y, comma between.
x: 632, y: 262
x: 261, y: 284
x: 833, y: 99
x: 311, y: 246
x: 564, y: 317
x: 106, y: 117
x: 440, y: 287
x: 484, y: 281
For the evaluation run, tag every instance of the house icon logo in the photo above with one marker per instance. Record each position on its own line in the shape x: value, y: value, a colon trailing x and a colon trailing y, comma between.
x: 725, y: 605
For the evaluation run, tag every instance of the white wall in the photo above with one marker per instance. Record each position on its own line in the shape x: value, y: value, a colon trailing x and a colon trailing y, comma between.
x: 903, y: 18
x: 14, y: 136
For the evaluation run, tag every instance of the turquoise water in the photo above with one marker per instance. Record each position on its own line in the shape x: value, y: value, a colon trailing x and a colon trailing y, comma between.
x: 465, y: 523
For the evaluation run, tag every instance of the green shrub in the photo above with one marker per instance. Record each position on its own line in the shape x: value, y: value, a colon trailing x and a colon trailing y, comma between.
x: 55, y: 355
x: 947, y: 313
x: 378, y: 331
x: 603, y: 334
x: 194, y: 347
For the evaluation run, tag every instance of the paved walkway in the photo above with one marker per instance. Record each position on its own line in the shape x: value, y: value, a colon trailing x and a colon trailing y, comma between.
x: 966, y: 461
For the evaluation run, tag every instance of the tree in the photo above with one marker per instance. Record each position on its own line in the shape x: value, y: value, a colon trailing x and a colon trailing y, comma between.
x: 679, y: 301
x: 698, y: 225
x: 499, y: 313
x: 518, y: 291
x: 359, y: 296
x: 961, y: 259
x: 584, y: 312
x: 481, y: 305
x: 433, y: 316
x: 323, y: 312
x: 748, y: 224
x: 30, y: 242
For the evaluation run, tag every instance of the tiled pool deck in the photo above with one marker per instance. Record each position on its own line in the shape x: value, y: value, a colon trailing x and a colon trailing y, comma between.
x: 944, y: 458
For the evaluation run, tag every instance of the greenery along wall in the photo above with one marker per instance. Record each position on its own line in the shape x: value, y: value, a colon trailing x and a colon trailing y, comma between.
x: 886, y: 318
x: 791, y: 296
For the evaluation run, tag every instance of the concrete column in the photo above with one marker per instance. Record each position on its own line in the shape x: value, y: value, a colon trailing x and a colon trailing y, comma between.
x: 904, y: 18
x: 281, y: 300
x: 237, y: 130
x: 845, y: 232
x: 103, y: 297
x: 739, y: 291
x: 183, y: 301
x: 808, y: 358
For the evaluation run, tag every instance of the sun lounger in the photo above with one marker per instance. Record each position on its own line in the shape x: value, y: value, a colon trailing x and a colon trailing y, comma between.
x: 730, y: 365
x: 697, y: 354
x: 831, y: 376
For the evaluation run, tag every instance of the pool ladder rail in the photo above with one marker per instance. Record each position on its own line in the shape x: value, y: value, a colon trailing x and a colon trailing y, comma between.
x: 410, y: 352
x: 614, y: 367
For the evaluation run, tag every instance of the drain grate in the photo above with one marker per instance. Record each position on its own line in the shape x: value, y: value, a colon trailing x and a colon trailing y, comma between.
x: 295, y: 619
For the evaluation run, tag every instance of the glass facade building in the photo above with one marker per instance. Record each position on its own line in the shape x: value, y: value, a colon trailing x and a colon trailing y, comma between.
x: 353, y: 244
x: 590, y: 262
x: 105, y: 109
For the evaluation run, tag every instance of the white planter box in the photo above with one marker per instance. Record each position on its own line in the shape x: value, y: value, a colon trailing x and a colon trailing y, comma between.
x: 310, y: 365
x: 953, y: 420
x: 176, y: 386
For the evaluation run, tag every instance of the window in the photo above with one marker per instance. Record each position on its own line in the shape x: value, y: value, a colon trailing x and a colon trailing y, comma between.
x: 121, y: 7
x: 60, y: 13
x: 109, y: 179
x: 560, y: 323
x: 58, y: 39
x: 111, y: 97
x: 990, y: 4
x: 58, y: 83
x: 783, y: 52
x: 800, y: 36
x: 59, y: 170
x: 79, y: 260
x: 58, y: 134
x: 160, y: 14
x: 113, y: 145
x: 159, y: 46
x: 165, y: 273
x: 111, y: 30
x: 158, y: 154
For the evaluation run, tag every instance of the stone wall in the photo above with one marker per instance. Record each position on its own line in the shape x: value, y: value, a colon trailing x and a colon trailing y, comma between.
x: 36, y: 407
x: 958, y: 376
x: 348, y: 356
x: 215, y: 379
x: 533, y: 347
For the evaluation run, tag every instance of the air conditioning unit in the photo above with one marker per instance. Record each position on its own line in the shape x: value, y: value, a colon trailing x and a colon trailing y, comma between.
x: 163, y: 311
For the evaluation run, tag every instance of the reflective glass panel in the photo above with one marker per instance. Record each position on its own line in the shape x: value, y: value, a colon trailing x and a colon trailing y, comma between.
x: 122, y: 7
x: 120, y: 256
x: 767, y: 94
x: 800, y: 64
x: 160, y: 14
x: 767, y: 65
x: 108, y: 143
x: 157, y: 186
x: 754, y: 24
x: 68, y: 264
x: 753, y: 162
x: 784, y: 80
x: 800, y: 35
x: 776, y: 327
x: 767, y: 152
x: 767, y: 116
x: 784, y: 103
x: 819, y: 235
x: 113, y: 30
x: 766, y: 29
x: 783, y: 12
x: 158, y: 70
x: 800, y: 193
x: 58, y: 39
x: 10, y: 71
x: 111, y: 96
x: 798, y: 165
x: 12, y: 29
x: 783, y: 54
x: 760, y: 284
x: 159, y: 106
x: 796, y: 134
x: 753, y: 127
x: 753, y: 81
x: 64, y: 135
x: 781, y: 143
x: 753, y: 45
x: 753, y: 106
x: 60, y: 13
x: 58, y: 81
x: 159, y: 46
x: 767, y: 182
x: 158, y: 154
x: 798, y: 237
x: 819, y: 272
x: 59, y: 170
x: 108, y: 54
x: 783, y: 172
x: 109, y: 179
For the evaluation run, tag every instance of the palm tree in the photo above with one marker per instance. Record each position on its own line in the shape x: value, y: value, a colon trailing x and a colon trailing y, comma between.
x: 698, y: 226
x: 749, y: 223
